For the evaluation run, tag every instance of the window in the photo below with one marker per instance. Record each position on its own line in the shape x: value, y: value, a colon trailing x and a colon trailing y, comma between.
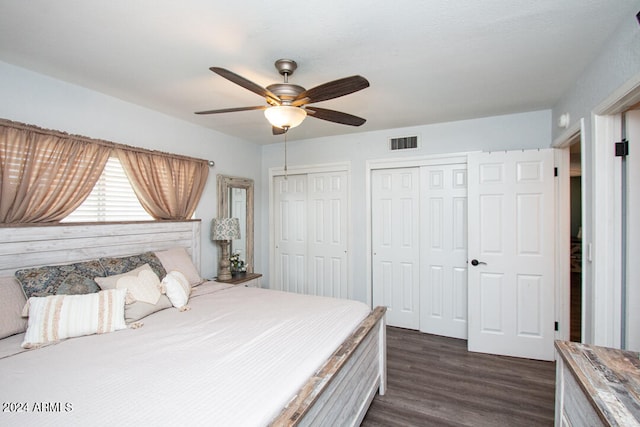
x: 112, y: 199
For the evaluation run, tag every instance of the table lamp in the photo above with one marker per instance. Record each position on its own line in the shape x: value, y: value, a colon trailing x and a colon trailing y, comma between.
x: 224, y: 230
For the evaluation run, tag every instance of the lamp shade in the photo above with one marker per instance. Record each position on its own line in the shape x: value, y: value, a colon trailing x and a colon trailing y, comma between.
x: 225, y: 229
x: 285, y: 116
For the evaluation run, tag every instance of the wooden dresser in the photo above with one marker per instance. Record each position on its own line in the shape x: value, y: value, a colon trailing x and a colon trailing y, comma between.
x: 596, y: 386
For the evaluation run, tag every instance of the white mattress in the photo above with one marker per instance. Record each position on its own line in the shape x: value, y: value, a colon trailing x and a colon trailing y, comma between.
x: 236, y: 359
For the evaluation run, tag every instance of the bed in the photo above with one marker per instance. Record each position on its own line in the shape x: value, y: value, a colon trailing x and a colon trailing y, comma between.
x: 238, y: 356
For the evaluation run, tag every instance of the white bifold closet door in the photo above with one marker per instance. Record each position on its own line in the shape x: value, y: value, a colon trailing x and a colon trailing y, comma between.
x: 311, y: 213
x: 419, y: 247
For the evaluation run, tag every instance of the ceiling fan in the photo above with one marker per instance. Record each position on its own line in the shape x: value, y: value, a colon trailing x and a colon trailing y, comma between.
x: 288, y: 103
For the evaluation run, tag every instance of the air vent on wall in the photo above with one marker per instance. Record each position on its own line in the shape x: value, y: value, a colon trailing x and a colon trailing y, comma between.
x: 403, y: 143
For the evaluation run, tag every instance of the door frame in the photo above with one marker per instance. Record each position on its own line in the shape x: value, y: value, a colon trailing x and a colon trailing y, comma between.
x: 406, y: 162
x: 606, y: 235
x: 603, y: 306
x: 309, y: 169
x: 563, y: 228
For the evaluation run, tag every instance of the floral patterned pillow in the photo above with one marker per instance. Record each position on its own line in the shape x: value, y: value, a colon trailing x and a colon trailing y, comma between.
x: 122, y: 265
x: 61, y: 279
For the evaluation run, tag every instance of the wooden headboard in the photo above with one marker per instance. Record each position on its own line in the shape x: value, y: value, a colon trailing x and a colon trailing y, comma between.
x: 35, y: 246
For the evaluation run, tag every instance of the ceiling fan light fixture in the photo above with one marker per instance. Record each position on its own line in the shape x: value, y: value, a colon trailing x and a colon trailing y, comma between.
x: 285, y: 116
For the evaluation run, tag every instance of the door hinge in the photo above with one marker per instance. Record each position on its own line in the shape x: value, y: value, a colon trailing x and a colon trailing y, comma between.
x: 555, y: 171
x: 622, y: 148
x: 556, y: 326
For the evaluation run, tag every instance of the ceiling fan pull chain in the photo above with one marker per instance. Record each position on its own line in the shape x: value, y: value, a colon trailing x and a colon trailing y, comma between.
x: 286, y: 177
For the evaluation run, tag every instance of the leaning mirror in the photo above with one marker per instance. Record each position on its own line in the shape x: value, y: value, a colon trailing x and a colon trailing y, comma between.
x: 235, y: 200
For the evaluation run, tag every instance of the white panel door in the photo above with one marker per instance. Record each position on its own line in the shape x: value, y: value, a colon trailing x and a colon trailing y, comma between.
x: 395, y: 244
x: 632, y: 119
x: 511, y: 253
x: 327, y: 234
x: 443, y: 260
x: 290, y: 202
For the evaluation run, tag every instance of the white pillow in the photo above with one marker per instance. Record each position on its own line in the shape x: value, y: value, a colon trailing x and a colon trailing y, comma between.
x: 57, y: 317
x: 178, y: 288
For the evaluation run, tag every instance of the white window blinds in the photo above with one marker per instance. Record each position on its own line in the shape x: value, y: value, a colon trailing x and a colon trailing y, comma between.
x: 112, y: 199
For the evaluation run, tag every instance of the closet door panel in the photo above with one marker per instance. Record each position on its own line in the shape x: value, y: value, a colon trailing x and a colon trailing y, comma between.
x: 443, y: 237
x: 290, y: 202
x: 395, y: 244
x: 327, y: 246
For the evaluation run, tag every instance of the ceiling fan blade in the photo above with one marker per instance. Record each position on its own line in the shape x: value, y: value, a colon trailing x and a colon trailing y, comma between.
x: 299, y: 102
x: 334, y: 89
x: 232, y: 110
x: 277, y: 131
x: 335, y: 116
x: 247, y: 84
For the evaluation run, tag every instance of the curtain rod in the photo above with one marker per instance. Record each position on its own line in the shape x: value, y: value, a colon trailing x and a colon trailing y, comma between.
x: 61, y: 134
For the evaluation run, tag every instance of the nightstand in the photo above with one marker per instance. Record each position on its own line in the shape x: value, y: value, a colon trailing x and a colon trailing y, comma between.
x: 250, y: 280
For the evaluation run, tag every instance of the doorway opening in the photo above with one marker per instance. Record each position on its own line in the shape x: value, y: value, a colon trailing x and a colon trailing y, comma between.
x: 575, y: 191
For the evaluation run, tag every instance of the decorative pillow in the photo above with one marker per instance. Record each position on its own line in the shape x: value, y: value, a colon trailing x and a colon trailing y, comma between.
x: 177, y: 259
x: 138, y: 282
x: 113, y: 266
x: 57, y: 317
x: 178, y: 288
x: 61, y: 279
x: 141, y: 283
x: 11, y: 302
x: 144, y: 287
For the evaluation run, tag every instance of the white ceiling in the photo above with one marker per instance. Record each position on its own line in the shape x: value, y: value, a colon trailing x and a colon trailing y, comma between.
x: 427, y: 61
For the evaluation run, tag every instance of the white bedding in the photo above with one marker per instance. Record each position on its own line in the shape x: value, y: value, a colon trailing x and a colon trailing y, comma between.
x: 235, y: 359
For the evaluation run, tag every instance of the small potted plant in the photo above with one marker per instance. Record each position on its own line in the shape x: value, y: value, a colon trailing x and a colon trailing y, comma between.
x: 237, y: 264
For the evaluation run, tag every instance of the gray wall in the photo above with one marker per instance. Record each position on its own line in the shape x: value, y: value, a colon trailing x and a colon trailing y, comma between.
x: 509, y: 132
x: 36, y: 99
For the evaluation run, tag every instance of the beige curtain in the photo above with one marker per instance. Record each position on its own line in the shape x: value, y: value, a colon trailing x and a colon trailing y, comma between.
x: 43, y: 176
x: 168, y: 187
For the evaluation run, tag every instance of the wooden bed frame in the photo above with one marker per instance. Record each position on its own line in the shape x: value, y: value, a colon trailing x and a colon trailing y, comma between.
x: 339, y: 393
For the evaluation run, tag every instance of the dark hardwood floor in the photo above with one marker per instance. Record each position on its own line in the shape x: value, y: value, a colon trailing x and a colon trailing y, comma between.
x: 434, y: 381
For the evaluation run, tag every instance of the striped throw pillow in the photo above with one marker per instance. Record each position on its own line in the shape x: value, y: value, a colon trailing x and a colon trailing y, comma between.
x: 57, y: 317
